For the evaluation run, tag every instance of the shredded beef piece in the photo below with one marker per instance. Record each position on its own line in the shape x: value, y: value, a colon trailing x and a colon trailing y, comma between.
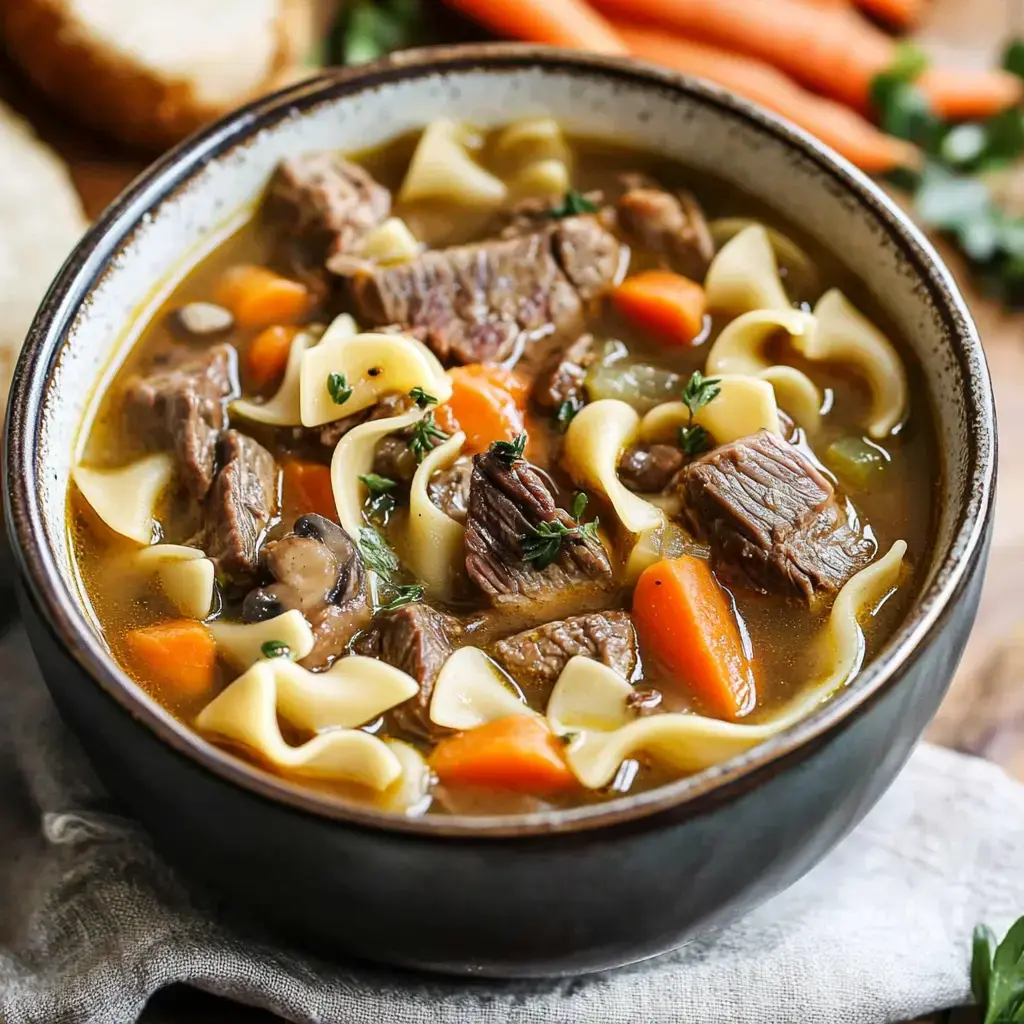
x: 650, y: 468
x: 390, y: 405
x: 506, y: 503
x: 317, y: 570
x: 473, y: 302
x: 239, y: 507
x: 772, y: 519
x: 322, y: 206
x: 181, y: 404
x: 667, y: 222
x: 538, y: 656
x: 564, y: 380
x: 418, y: 640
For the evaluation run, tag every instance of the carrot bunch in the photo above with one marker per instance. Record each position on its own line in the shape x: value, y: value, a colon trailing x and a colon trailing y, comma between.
x: 812, y: 61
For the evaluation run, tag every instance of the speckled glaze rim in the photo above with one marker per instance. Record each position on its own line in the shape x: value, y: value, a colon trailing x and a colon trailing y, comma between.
x: 687, y: 797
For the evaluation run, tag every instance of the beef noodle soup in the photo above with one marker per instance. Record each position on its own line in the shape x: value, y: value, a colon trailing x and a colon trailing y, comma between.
x: 493, y: 472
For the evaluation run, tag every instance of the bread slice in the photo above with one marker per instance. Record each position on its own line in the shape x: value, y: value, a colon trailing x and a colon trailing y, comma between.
x: 41, y: 220
x: 149, y: 72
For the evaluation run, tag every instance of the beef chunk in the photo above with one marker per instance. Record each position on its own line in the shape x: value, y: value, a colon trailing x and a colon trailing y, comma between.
x: 316, y: 569
x: 650, y: 468
x: 448, y: 489
x: 181, y: 404
x: 323, y: 207
x: 563, y: 381
x: 473, y: 302
x: 394, y: 458
x: 390, y: 405
x: 668, y: 222
x: 538, y: 656
x: 418, y: 640
x: 506, y: 504
x: 240, y: 506
x: 772, y: 519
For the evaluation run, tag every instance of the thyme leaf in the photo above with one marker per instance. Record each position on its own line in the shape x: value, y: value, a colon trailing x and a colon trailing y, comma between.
x: 405, y: 594
x: 574, y: 203
x: 510, y: 451
x: 338, y: 388
x: 275, y: 649
x: 424, y: 433
x: 421, y: 398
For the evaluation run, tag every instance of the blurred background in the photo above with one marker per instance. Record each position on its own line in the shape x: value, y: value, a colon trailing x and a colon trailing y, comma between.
x: 924, y: 95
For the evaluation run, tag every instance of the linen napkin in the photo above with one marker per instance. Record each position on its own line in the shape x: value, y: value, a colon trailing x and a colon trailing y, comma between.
x: 92, y: 922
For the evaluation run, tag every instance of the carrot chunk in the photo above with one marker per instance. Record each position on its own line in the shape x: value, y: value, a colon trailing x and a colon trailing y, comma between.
x: 518, y: 753
x: 307, y: 487
x: 179, y: 656
x: 267, y: 355
x: 684, y: 622
x: 667, y: 305
x: 260, y: 298
x: 487, y: 402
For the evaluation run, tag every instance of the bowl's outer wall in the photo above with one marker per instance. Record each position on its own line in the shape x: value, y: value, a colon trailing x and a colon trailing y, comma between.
x: 540, y: 905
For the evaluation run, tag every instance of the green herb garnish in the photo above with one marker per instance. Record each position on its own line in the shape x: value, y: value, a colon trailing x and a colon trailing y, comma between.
x: 376, y: 553
x: 699, y: 390
x: 997, y: 974
x: 380, y: 501
x: 405, y: 594
x: 275, y: 649
x: 424, y: 433
x: 510, y: 451
x: 543, y: 545
x: 421, y: 398
x: 338, y: 389
x: 566, y: 413
x: 694, y: 440
x: 574, y: 203
x: 370, y: 30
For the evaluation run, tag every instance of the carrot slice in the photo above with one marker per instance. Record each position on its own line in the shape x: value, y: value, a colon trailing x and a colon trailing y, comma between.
x: 445, y: 419
x: 179, y: 656
x: 831, y: 50
x: 267, y: 355
x: 484, y: 406
x: 517, y: 753
x: 259, y: 298
x: 685, y: 623
x: 307, y: 487
x: 900, y: 14
x: 669, y: 306
x: 569, y: 23
x: 960, y: 94
x: 844, y: 130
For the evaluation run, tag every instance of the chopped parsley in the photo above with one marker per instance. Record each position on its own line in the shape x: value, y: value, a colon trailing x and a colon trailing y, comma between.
x: 275, y: 649
x: 380, y: 500
x: 421, y: 398
x: 376, y: 553
x: 566, y: 413
x: 510, y: 451
x: 425, y: 433
x: 405, y: 594
x: 699, y: 391
x: 574, y: 203
x: 338, y: 388
x: 544, y: 544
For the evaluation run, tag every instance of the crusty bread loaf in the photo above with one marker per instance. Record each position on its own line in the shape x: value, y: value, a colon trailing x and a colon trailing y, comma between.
x: 149, y: 72
x: 41, y: 219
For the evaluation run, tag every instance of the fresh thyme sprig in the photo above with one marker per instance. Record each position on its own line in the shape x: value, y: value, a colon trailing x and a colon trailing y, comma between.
x: 699, y: 391
x: 405, y: 594
x: 376, y: 553
x: 544, y: 544
x: 425, y: 433
x: 380, y: 500
x: 510, y: 451
x: 421, y: 398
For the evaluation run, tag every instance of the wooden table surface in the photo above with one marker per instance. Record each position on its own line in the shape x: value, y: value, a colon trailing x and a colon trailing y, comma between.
x: 984, y: 712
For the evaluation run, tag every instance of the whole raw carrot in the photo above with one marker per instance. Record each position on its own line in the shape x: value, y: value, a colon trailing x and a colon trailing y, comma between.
x: 845, y: 131
x: 900, y: 14
x: 833, y: 50
x: 960, y: 94
x: 571, y: 23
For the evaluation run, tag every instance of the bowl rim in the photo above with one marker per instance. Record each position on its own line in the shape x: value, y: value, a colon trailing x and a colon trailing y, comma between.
x: 689, y: 796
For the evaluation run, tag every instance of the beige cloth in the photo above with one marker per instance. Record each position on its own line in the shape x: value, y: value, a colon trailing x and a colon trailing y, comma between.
x: 92, y: 922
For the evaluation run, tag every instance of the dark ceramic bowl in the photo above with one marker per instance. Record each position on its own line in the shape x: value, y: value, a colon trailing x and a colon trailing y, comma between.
x: 558, y: 893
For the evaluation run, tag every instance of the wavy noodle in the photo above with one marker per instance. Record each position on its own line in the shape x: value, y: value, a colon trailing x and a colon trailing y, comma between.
x: 588, y: 703
x: 434, y: 544
x: 744, y: 276
x: 373, y: 365
x: 594, y: 442
x: 409, y: 794
x: 536, y: 152
x: 471, y: 690
x: 126, y: 499
x: 186, y: 576
x: 846, y: 336
x: 284, y: 409
x: 246, y: 713
x: 744, y: 406
x: 353, y: 457
x: 797, y: 394
x: 240, y: 643
x: 801, y: 272
x: 543, y: 178
x: 441, y: 168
